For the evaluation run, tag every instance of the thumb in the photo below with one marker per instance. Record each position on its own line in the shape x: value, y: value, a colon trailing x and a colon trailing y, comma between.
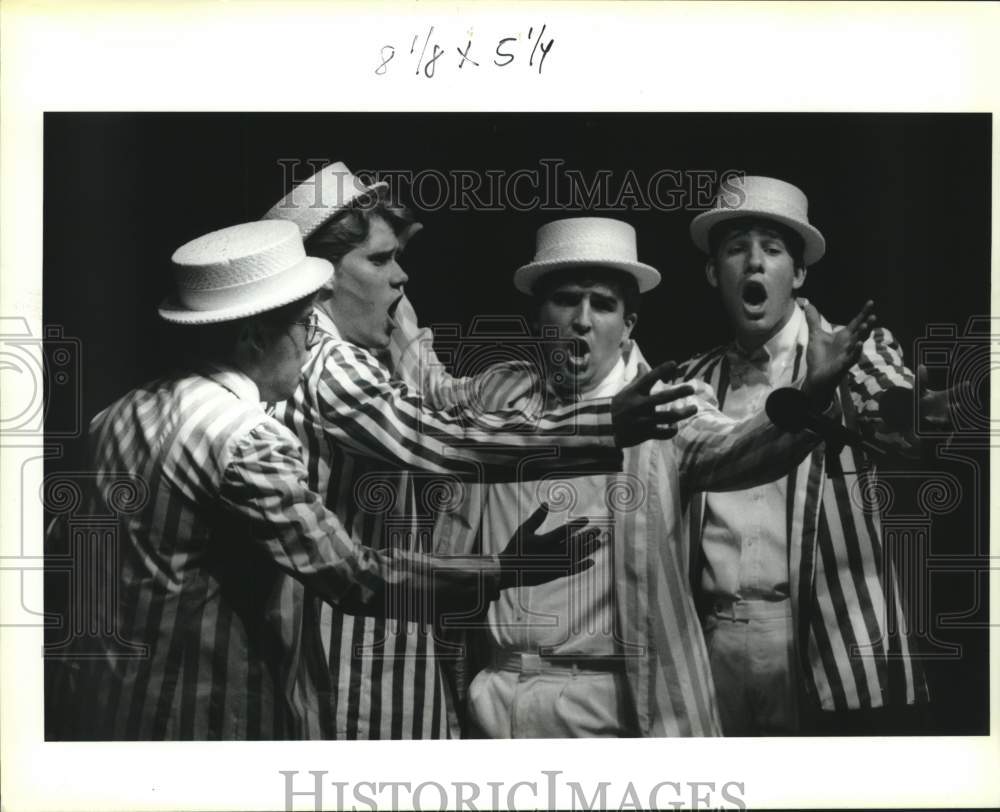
x: 922, y: 376
x: 812, y: 317
x: 535, y: 520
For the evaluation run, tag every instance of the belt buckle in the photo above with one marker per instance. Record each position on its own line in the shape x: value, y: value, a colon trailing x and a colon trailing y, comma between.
x: 531, y: 663
x: 727, y: 611
x: 723, y: 609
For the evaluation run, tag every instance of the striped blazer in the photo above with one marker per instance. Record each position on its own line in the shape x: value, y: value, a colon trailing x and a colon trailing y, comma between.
x: 851, y: 639
x: 218, y: 512
x: 364, y: 676
x: 670, y: 687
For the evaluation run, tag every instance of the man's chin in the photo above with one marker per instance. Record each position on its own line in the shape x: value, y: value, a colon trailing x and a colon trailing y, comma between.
x: 570, y: 380
x: 755, y: 322
x: 578, y: 380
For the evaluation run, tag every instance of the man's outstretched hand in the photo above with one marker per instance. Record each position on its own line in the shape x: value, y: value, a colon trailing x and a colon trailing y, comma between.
x: 531, y: 559
x: 938, y: 405
x: 830, y: 355
x: 634, y: 412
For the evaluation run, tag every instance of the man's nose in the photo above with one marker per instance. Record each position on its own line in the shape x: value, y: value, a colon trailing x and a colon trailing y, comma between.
x: 399, y: 277
x: 755, y: 257
x: 581, y: 317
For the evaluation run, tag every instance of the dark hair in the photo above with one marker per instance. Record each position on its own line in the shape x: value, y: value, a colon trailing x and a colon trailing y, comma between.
x: 350, y: 227
x: 216, y: 342
x: 793, y: 241
x: 623, y: 283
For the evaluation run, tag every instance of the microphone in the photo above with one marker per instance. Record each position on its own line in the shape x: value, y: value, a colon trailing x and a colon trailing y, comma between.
x: 789, y: 410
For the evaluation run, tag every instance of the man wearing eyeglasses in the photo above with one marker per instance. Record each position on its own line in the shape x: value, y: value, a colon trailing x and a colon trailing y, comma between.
x: 202, y: 630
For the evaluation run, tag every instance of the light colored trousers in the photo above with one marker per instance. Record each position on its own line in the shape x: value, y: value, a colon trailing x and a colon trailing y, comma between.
x: 751, y: 648
x: 557, y: 702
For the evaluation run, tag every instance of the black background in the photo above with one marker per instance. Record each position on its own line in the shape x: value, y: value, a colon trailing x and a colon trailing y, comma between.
x: 903, y: 201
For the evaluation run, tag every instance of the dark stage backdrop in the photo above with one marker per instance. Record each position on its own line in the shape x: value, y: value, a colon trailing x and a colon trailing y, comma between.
x: 903, y: 200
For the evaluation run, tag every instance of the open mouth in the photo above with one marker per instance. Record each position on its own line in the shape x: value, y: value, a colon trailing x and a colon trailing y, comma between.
x: 754, y: 294
x: 391, y: 312
x: 578, y: 353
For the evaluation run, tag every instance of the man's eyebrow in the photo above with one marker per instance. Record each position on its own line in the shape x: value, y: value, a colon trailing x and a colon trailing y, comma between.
x: 734, y: 233
x: 739, y: 233
x: 771, y: 235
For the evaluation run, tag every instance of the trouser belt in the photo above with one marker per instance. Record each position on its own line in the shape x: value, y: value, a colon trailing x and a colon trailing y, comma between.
x: 747, y: 610
x: 533, y: 663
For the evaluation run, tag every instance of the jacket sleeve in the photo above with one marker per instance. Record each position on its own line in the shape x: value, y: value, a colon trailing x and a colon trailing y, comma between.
x: 358, y: 406
x: 264, y: 493
x: 718, y: 453
x: 880, y: 369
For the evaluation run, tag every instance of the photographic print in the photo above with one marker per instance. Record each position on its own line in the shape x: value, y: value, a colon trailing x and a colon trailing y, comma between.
x: 444, y: 426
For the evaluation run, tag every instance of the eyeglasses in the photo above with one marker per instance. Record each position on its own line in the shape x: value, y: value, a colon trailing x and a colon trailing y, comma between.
x: 311, y: 323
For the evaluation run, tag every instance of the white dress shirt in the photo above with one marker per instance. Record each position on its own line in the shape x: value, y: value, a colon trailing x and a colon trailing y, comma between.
x: 745, y: 536
x: 569, y: 615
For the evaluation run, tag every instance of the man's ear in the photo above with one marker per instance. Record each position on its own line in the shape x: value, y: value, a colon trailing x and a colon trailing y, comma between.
x: 254, y: 338
x: 325, y: 293
x: 800, y: 278
x: 631, y: 319
x: 710, y: 274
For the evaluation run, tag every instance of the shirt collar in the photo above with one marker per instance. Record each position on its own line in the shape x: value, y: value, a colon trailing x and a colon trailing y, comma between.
x: 782, y: 344
x: 325, y: 323
x: 612, y: 383
x: 231, y: 378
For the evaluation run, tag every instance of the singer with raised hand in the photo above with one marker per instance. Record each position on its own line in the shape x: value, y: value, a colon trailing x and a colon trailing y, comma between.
x: 792, y: 586
x: 616, y: 650
x: 364, y: 428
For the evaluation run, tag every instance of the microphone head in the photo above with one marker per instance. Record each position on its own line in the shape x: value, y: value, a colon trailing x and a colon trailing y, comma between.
x: 788, y: 409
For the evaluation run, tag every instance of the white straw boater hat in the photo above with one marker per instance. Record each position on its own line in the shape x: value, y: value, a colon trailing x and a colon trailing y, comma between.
x: 769, y: 198
x: 316, y: 200
x: 585, y: 241
x: 241, y: 271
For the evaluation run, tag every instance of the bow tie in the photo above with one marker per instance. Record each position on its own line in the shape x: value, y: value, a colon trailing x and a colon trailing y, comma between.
x: 747, y: 368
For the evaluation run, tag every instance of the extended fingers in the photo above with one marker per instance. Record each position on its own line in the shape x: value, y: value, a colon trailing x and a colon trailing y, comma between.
x: 563, y: 535
x: 664, y: 372
x: 671, y: 393
x: 534, y: 521
x: 674, y: 414
x: 865, y: 328
x: 862, y: 324
x: 582, y: 565
x: 587, y: 543
x: 570, y: 539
